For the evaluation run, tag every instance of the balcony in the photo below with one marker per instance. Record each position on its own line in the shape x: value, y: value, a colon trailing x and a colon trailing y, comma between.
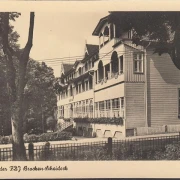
x: 108, y: 45
x: 110, y: 80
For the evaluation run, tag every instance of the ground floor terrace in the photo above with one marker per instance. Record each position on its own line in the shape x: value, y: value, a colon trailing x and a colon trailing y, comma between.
x: 88, y: 108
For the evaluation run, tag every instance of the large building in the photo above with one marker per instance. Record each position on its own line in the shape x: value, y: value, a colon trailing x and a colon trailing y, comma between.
x: 120, y: 89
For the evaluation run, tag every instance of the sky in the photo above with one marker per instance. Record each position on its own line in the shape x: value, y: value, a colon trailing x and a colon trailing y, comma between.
x: 59, y: 34
x: 62, y: 28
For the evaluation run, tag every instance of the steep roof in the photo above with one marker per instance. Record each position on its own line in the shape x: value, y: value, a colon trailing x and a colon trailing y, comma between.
x: 67, y: 67
x: 92, y: 50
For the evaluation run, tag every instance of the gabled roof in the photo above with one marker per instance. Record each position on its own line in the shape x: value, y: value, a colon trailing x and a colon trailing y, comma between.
x: 67, y: 67
x: 92, y: 50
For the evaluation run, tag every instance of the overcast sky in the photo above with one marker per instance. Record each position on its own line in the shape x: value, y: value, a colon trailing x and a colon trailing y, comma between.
x: 58, y: 34
x: 61, y: 28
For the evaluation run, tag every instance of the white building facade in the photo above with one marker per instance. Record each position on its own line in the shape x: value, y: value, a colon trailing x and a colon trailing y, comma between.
x: 111, y: 92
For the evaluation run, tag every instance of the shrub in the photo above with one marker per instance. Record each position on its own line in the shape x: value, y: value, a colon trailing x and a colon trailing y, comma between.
x: 5, y: 140
x: 35, y: 131
x: 172, y: 152
x: 54, y: 136
x: 31, y: 138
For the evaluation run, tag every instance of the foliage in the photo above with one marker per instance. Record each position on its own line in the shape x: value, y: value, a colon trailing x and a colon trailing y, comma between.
x: 5, y: 123
x: 57, y: 86
x: 162, y: 28
x: 51, y: 123
x: 36, y: 130
x: 55, y: 136
x: 102, y: 120
x: 5, y: 139
x: 39, y: 97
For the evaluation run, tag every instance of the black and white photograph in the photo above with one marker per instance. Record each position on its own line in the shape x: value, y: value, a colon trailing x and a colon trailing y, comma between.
x: 97, y: 84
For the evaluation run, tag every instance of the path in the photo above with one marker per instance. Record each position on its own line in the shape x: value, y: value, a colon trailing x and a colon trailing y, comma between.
x: 89, y: 140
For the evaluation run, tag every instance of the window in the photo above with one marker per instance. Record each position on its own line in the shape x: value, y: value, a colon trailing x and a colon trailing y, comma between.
x: 138, y: 62
x: 71, y: 91
x: 122, y: 103
x: 86, y: 85
x: 100, y: 71
x: 83, y: 86
x: 87, y: 110
x: 108, y: 104
x: 90, y: 108
x: 96, y: 78
x: 96, y: 105
x: 83, y: 107
x: 121, y: 64
x: 115, y: 103
x: 101, y: 105
x: 79, y: 88
x: 114, y: 62
x: 90, y: 83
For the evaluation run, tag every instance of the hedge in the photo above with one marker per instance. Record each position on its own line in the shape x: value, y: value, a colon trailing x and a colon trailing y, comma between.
x: 55, y: 136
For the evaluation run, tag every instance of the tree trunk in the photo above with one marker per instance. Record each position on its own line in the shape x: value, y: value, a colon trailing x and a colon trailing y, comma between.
x: 19, y: 151
x: 17, y: 89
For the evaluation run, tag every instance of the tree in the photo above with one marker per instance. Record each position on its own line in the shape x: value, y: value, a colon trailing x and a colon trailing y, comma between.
x: 16, y: 80
x: 5, y: 123
x: 51, y: 123
x: 162, y: 28
x: 40, y: 97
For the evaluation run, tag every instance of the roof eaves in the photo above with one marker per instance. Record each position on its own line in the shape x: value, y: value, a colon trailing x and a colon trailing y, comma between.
x: 101, y: 22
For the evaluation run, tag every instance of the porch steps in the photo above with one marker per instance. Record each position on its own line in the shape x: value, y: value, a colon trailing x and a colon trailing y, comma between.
x: 65, y: 125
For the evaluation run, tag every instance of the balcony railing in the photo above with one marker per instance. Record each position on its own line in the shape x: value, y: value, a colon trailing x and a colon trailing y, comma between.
x: 110, y: 76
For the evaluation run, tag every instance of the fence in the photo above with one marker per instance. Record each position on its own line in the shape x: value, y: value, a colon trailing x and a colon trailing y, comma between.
x: 92, y: 150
